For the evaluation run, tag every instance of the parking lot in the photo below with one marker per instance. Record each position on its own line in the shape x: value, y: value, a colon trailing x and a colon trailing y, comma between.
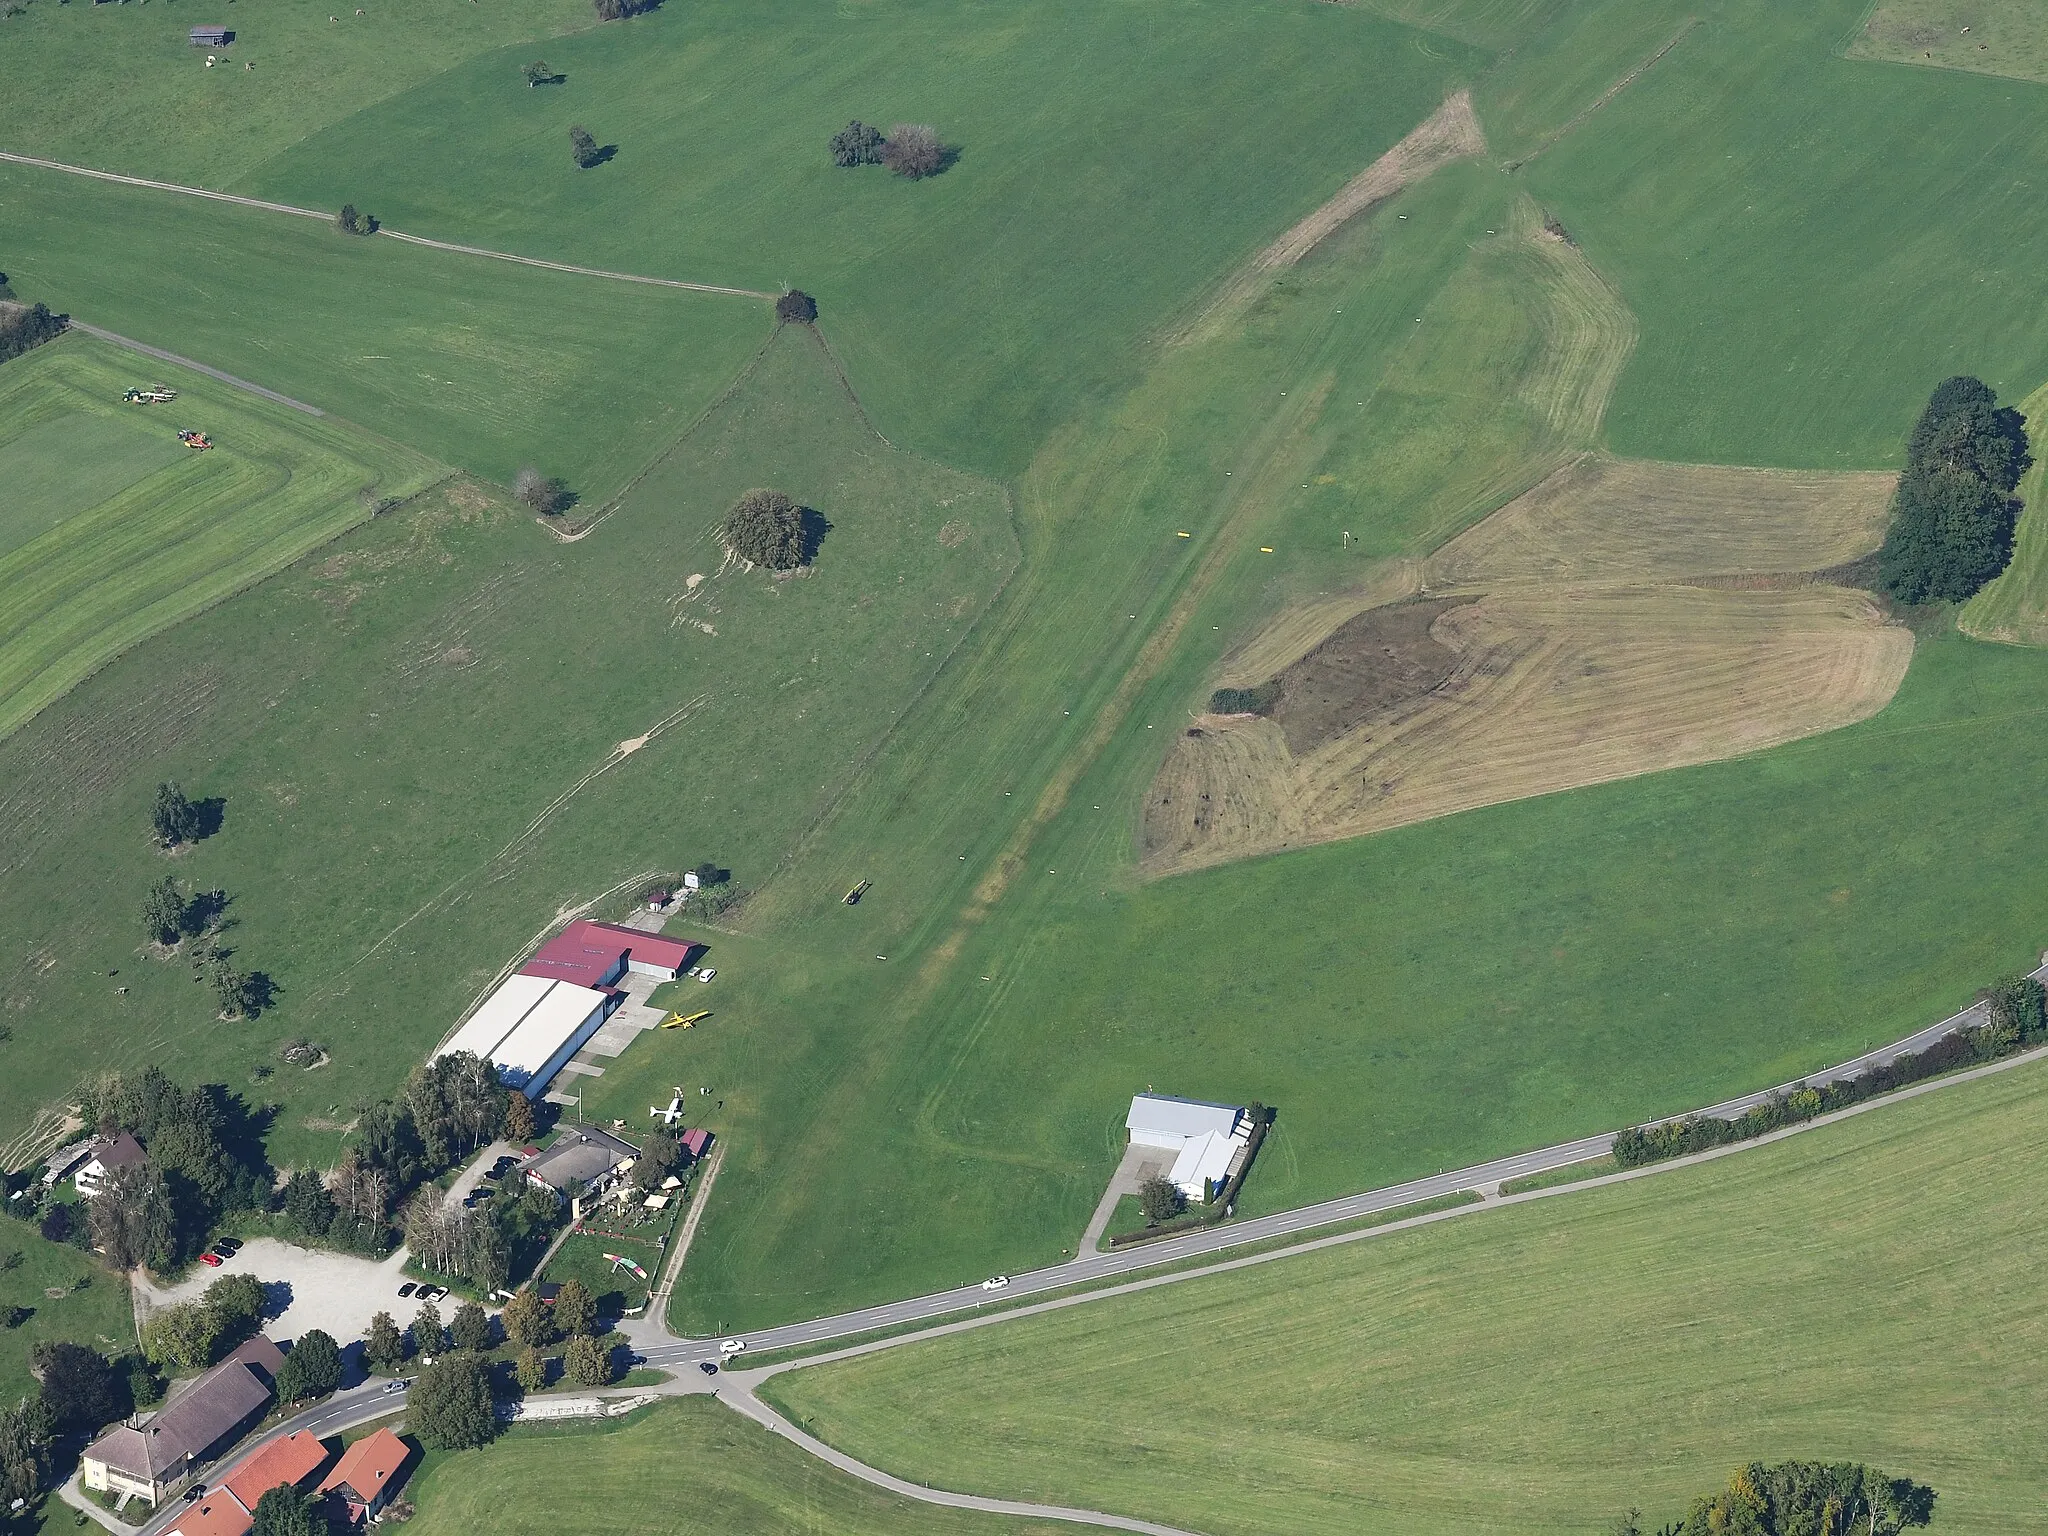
x: 309, y: 1288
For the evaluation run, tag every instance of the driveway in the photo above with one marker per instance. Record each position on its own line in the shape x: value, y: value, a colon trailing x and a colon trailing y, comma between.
x: 309, y: 1288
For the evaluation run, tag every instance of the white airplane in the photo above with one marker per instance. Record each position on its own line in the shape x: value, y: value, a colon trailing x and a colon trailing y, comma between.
x: 673, y: 1113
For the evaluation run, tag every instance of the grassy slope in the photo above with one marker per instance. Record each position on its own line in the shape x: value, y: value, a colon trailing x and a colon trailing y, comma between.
x: 687, y: 1468
x: 1112, y: 160
x: 169, y: 538
x: 2014, y: 608
x: 96, y: 1312
x: 387, y: 721
x: 482, y: 364
x: 1413, y: 1000
x: 1864, y: 1292
x: 121, y: 88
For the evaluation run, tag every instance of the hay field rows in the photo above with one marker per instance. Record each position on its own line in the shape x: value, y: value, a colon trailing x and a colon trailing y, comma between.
x: 1860, y: 1292
x: 114, y: 530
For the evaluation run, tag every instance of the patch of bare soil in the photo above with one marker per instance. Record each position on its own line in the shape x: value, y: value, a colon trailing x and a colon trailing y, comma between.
x: 1373, y: 664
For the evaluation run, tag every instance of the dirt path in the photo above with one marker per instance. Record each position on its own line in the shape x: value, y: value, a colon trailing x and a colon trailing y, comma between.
x: 185, y: 362
x: 437, y: 245
x: 1450, y: 133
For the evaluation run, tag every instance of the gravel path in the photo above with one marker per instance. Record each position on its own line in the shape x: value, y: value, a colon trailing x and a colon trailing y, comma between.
x: 185, y: 362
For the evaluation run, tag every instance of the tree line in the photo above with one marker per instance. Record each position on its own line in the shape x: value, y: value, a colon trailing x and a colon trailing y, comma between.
x: 23, y: 327
x: 2014, y: 1020
x: 912, y: 150
x: 1800, y: 1498
x: 1953, y: 513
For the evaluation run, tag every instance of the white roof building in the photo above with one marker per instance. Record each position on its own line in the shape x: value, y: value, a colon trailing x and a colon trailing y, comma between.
x: 1207, y: 1140
x: 530, y: 1026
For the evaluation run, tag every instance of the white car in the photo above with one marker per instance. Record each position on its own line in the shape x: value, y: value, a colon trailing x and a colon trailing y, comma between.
x: 707, y: 973
x: 732, y: 1347
x: 995, y: 1282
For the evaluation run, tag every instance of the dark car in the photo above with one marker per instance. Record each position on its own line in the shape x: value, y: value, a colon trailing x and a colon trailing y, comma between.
x: 708, y: 1367
x: 195, y: 1491
x: 228, y: 1247
x: 408, y: 1288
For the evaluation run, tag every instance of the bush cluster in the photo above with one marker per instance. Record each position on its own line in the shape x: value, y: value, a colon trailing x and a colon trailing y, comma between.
x: 1245, y: 701
x: 2016, y: 1021
x: 351, y: 222
x: 1953, y: 513
x: 912, y: 150
x: 767, y: 528
x: 796, y: 308
x: 24, y: 327
x: 1801, y: 1498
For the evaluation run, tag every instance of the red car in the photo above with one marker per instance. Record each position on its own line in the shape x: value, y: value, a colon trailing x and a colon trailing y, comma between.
x: 211, y: 1260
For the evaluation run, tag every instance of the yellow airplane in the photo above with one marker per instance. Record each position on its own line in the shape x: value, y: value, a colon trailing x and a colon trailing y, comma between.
x: 677, y: 1021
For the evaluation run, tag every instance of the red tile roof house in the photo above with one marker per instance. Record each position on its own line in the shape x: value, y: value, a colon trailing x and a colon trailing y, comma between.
x: 230, y: 1509
x: 149, y: 1457
x: 368, y: 1473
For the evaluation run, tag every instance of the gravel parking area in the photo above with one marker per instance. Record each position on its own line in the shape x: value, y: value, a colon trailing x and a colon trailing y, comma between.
x: 309, y: 1288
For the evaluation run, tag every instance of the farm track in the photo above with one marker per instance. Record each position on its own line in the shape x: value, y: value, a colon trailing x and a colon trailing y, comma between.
x: 197, y: 367
x: 437, y: 245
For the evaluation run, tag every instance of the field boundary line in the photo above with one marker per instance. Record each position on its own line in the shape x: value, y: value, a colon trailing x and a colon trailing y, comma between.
x: 1578, y: 119
x: 743, y: 1402
x: 197, y: 367
x: 1488, y: 1202
x: 266, y: 206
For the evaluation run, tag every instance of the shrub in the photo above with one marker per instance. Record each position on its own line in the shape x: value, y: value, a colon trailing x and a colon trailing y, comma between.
x: 914, y: 150
x: 1245, y: 701
x: 351, y: 222
x: 767, y: 528
x: 619, y: 10
x: 583, y: 147
x: 856, y: 144
x: 1160, y: 1199
x: 796, y: 308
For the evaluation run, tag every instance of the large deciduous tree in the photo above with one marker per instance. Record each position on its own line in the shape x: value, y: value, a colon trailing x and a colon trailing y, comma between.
x: 449, y: 1406
x: 913, y: 150
x: 312, y: 1369
x: 1953, y: 513
x: 767, y: 528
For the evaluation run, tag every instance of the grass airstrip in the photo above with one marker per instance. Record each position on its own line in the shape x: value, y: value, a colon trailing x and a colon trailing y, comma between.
x: 1861, y: 1292
x: 1773, y: 254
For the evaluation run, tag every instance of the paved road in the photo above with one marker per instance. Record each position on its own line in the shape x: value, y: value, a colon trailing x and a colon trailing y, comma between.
x: 185, y: 362
x: 1088, y: 1268
x: 327, y: 217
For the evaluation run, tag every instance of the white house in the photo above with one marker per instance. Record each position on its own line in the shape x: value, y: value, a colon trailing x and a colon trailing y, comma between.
x: 117, y: 1151
x: 1208, y: 1140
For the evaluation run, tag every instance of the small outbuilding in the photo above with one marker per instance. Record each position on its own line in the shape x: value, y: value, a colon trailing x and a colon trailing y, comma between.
x: 211, y: 37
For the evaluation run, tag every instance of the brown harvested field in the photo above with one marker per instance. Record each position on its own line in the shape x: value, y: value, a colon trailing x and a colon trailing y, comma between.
x: 1450, y: 133
x: 1550, y: 691
x: 1620, y: 618
x: 1602, y: 519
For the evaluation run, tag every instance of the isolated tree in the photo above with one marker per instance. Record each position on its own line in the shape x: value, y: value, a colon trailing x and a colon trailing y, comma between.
x: 79, y: 1389
x: 449, y: 1406
x: 471, y: 1328
x: 588, y: 1362
x: 618, y: 10
x: 767, y: 528
x: 856, y: 144
x: 538, y: 73
x: 163, y: 912
x: 312, y: 1369
x: 284, y: 1511
x: 384, y: 1346
x: 575, y: 1308
x: 131, y: 1217
x: 914, y: 150
x: 530, y: 1369
x: 1160, y: 1199
x: 582, y: 147
x: 237, y: 1302
x: 353, y: 223
x: 1953, y: 513
x: 175, y: 819
x: 526, y: 1318
x: 307, y: 1204
x: 796, y: 308
x: 234, y: 989
x: 428, y: 1336
x: 544, y: 495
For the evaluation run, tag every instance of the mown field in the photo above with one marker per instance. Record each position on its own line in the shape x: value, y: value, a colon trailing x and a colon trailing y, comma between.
x: 112, y: 529
x: 684, y: 1468
x: 414, y: 735
x: 1859, y: 1293
x: 481, y: 364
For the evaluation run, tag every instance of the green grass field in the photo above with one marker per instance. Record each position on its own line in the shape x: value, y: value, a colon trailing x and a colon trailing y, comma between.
x: 685, y: 1468
x: 1991, y: 37
x: 1862, y: 1292
x: 121, y: 88
x: 92, y: 1306
x: 481, y: 364
x: 113, y: 529
x: 414, y: 733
